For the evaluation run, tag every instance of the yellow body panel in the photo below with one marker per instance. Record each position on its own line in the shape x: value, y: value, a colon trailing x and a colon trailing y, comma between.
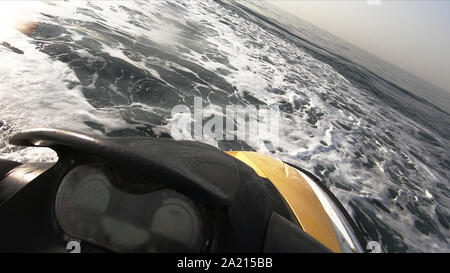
x: 297, y: 193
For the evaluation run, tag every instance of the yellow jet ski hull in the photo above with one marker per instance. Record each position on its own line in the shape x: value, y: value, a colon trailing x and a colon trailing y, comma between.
x: 297, y: 193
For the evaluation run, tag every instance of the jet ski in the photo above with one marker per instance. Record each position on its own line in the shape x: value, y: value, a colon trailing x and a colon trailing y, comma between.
x: 136, y: 194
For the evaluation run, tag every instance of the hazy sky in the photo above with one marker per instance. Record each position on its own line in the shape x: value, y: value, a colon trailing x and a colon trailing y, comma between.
x: 414, y: 35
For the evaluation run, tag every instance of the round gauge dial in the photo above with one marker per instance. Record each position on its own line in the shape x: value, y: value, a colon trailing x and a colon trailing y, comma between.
x: 89, y: 207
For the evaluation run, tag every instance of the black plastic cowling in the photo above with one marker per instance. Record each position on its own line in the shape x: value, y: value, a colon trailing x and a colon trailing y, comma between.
x: 191, y: 167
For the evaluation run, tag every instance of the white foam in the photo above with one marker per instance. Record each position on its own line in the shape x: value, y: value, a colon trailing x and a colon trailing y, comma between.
x: 34, y: 93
